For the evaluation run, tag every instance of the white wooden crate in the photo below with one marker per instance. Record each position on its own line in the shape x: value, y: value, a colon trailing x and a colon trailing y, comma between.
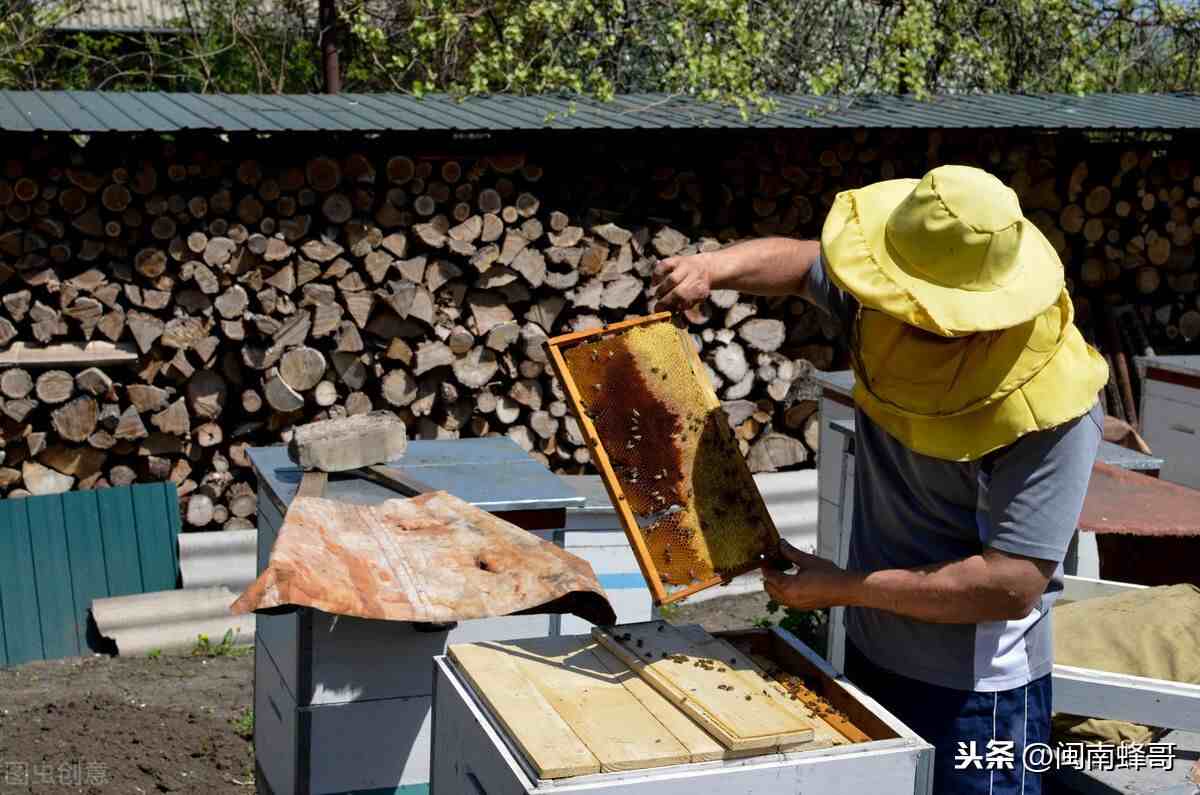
x: 1170, y: 415
x: 474, y: 756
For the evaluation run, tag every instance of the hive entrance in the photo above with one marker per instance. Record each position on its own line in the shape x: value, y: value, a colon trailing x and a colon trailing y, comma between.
x: 666, y: 453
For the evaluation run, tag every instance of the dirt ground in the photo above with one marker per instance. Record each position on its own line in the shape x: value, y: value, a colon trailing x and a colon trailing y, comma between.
x: 723, y: 612
x: 172, y: 724
x: 127, y: 725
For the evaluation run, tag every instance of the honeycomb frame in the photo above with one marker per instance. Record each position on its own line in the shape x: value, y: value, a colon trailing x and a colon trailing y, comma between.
x: 666, y: 454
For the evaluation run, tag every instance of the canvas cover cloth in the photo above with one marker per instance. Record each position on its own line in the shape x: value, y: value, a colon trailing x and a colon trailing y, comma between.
x: 1152, y: 632
x: 964, y: 339
x: 433, y: 558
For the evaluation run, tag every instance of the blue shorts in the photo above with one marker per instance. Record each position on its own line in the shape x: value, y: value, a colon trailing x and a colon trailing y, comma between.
x: 979, y: 738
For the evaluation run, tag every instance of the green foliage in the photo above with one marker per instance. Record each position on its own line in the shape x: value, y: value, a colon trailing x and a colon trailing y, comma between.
x: 737, y: 51
x: 667, y: 612
x: 243, y: 724
x: 810, y: 626
x: 154, y: 654
x: 226, y: 648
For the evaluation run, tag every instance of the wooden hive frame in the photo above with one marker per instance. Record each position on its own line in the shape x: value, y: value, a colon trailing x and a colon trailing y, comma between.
x: 555, y: 348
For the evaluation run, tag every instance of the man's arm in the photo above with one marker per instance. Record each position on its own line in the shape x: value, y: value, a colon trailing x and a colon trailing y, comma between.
x: 991, y: 586
x: 769, y: 266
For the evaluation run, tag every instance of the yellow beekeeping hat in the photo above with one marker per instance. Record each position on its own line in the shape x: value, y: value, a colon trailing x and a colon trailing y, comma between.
x: 964, y: 340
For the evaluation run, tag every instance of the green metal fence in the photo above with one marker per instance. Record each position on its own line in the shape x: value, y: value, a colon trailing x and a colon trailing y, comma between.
x: 59, y: 552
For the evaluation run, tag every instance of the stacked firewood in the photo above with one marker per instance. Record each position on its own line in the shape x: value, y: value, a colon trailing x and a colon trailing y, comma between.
x: 260, y: 285
x: 257, y: 298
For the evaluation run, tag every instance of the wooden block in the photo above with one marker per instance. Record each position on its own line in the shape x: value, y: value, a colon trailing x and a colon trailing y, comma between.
x: 349, y: 443
x: 97, y: 354
x: 700, y: 746
x: 542, y: 735
x: 715, y: 684
x: 607, y: 718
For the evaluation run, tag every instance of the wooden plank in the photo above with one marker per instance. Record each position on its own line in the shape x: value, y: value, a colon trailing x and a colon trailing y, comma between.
x: 700, y: 746
x: 600, y: 458
x: 154, y: 537
x: 89, y: 580
x: 542, y: 735
x: 753, y: 713
x: 118, y: 533
x: 575, y: 336
x: 1140, y: 699
x: 1076, y: 589
x: 65, y: 354
x: 52, y: 571
x: 18, y: 589
x: 828, y: 730
x: 619, y: 731
x: 865, y: 714
x: 312, y: 484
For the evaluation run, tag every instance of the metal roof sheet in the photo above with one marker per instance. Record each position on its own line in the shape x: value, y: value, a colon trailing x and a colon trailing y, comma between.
x: 96, y: 111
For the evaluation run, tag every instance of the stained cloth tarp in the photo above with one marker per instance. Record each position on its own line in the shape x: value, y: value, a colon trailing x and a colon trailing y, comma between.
x: 433, y: 558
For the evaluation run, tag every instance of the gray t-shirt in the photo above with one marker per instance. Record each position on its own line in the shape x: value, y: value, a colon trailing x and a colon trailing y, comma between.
x: 912, y: 510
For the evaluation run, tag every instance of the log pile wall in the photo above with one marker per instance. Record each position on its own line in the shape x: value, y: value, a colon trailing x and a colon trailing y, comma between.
x: 265, y: 283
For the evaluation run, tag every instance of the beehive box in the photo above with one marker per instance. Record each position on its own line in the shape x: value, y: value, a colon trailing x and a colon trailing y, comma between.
x: 344, y: 704
x: 667, y: 456
x: 475, y: 751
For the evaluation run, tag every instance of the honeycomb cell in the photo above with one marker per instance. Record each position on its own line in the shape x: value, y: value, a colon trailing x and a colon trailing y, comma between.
x: 674, y: 457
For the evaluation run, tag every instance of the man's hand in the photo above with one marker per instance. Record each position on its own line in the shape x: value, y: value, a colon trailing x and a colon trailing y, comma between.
x: 770, y: 266
x: 816, y: 583
x: 683, y: 282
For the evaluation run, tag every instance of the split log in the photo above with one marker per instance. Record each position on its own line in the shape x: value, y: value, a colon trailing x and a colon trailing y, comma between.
x: 251, y: 401
x: 302, y: 368
x: 763, y: 334
x: 15, y: 383
x: 55, y: 386
x: 476, y: 368
x: 41, y: 480
x: 130, y: 426
x: 282, y: 397
x: 775, y: 451
x: 173, y: 419
x: 199, y: 510
x: 209, y: 434
x: 93, y: 381
x: 76, y: 420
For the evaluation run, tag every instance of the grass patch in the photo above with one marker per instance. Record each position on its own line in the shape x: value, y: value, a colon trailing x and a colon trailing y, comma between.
x: 226, y: 648
x: 243, y: 724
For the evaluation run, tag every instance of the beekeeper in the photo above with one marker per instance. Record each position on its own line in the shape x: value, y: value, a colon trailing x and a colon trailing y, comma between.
x: 977, y: 423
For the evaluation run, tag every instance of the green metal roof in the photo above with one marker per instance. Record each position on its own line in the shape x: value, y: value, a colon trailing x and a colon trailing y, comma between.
x: 103, y: 111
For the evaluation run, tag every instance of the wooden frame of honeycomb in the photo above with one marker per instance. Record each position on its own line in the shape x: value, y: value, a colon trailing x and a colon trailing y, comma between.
x: 665, y: 451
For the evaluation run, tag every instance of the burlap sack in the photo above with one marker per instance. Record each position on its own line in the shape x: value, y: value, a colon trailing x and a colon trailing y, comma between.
x: 1152, y: 632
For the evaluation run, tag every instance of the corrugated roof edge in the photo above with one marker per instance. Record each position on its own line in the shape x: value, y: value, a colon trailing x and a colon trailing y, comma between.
x: 164, y: 112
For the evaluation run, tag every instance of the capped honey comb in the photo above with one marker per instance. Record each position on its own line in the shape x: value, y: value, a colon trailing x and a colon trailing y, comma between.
x: 667, y: 455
